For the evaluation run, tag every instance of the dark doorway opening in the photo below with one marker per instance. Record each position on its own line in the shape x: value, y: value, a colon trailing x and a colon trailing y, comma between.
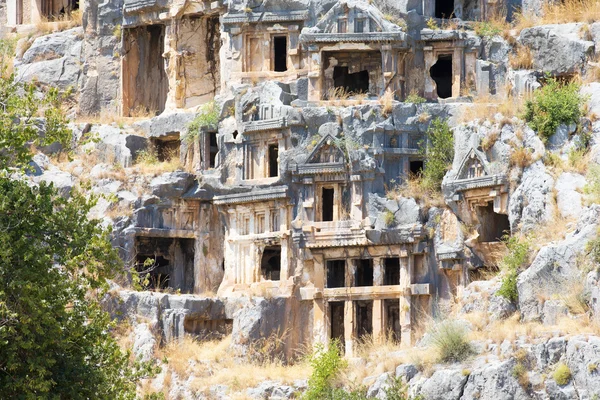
x: 351, y: 83
x: 391, y: 271
x: 270, y: 265
x: 280, y: 53
x: 273, y: 160
x: 441, y: 73
x: 492, y: 225
x: 364, y: 318
x: 167, y: 147
x: 327, y: 198
x: 336, y: 273
x: 416, y: 167
x: 213, y: 149
x: 167, y: 263
x: 444, y: 8
x: 336, y: 319
x: 363, y: 276
x: 392, y: 319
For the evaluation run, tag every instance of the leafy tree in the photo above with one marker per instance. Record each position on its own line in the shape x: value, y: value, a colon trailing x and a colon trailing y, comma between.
x: 438, y: 153
x: 55, y: 340
x: 553, y: 104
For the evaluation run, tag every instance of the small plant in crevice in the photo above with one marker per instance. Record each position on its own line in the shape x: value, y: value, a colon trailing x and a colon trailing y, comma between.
x: 388, y: 217
x: 592, y: 186
x: 562, y: 374
x: 438, y: 154
x: 553, y: 104
x: 207, y: 118
x: 516, y: 257
x: 450, y: 340
x: 414, y: 98
x: 326, y: 363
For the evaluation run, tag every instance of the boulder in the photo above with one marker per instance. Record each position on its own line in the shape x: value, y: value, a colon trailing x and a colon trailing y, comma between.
x: 143, y: 342
x: 557, y: 49
x: 583, y: 359
x: 445, y: 384
x: 171, y: 184
x: 569, y: 187
x: 53, y: 60
x: 481, y: 296
x: 554, y: 267
x: 115, y: 147
x: 407, y: 371
x: 494, y: 381
x: 377, y: 389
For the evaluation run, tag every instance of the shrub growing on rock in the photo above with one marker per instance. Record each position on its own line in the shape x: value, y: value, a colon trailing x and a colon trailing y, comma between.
x: 562, y: 374
x: 517, y: 256
x: 208, y: 117
x: 554, y: 104
x: 438, y: 153
x: 326, y: 364
x: 450, y: 340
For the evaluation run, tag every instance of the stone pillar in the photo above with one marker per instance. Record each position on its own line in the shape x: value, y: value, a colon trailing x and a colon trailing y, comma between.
x: 378, y: 313
x: 315, y: 84
x: 406, y: 272
x: 457, y: 71
x: 429, y: 92
x: 349, y: 327
x: 356, y: 212
x: 320, y: 321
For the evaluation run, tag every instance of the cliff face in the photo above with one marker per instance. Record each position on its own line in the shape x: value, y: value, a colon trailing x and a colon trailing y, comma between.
x: 265, y: 167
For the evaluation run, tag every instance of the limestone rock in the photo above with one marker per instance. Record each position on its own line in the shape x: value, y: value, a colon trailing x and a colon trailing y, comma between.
x: 143, y: 343
x: 115, y: 147
x: 445, y: 384
x: 569, y: 187
x: 557, y: 49
x: 554, y: 266
x: 494, y: 381
x: 171, y: 184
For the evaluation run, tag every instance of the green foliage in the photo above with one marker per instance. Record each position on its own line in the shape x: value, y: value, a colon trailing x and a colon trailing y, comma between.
x: 562, y: 374
x: 207, y: 118
x: 148, y: 157
x: 388, y: 218
x: 516, y: 257
x: 450, y: 340
x: 593, y: 248
x: 397, y: 389
x: 19, y: 125
x: 487, y: 29
x: 431, y: 24
x: 326, y: 364
x: 438, y: 154
x: 592, y: 186
x: 414, y: 98
x: 554, y: 104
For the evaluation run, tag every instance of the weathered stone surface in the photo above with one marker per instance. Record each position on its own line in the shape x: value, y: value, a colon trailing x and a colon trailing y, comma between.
x: 53, y: 59
x: 143, y: 342
x: 445, y: 384
x: 557, y: 49
x: 481, y: 296
x: 494, y: 382
x: 171, y: 184
x: 531, y: 202
x: 569, y: 188
x: 115, y: 147
x: 406, y: 371
x: 554, y: 266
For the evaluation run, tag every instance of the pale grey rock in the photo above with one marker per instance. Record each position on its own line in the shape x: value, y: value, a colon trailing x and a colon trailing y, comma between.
x: 531, y: 202
x: 377, y: 389
x: 554, y: 266
x: 171, y: 184
x: 143, y: 342
x: 406, y: 371
x: 557, y: 392
x: 481, y: 296
x: 446, y: 384
x: 494, y: 382
x: 553, y: 311
x: 116, y: 147
x: 557, y: 49
x: 569, y: 188
x: 165, y: 124
x: 555, y: 349
x: 582, y: 355
x: 61, y: 180
x: 592, y: 90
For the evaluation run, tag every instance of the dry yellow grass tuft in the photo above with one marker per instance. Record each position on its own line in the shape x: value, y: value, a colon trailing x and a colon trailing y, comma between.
x: 521, y: 58
x: 387, y: 102
x: 486, y: 108
x: 189, y: 358
x: 413, y: 187
x: 521, y: 157
x: 59, y: 23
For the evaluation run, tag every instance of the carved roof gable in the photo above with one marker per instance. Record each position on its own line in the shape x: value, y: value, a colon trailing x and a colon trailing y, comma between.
x: 473, y: 166
x: 326, y: 152
x: 352, y: 15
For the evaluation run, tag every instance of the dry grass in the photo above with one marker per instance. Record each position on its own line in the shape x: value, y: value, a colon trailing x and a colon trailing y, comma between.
x: 412, y: 187
x: 521, y: 58
x: 378, y: 356
x: 59, y: 23
x: 212, y: 362
x: 489, y: 140
x: 521, y: 157
x: 560, y: 12
x: 387, y: 102
x: 486, y: 108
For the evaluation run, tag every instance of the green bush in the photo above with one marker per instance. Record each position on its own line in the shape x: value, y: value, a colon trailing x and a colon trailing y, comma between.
x: 562, y: 374
x: 593, y: 248
x: 414, y: 98
x: 326, y: 364
x: 438, y: 154
x: 512, y: 262
x: 592, y: 186
x: 208, y: 117
x: 450, y: 340
x: 554, y: 104
x: 388, y: 218
x: 487, y: 29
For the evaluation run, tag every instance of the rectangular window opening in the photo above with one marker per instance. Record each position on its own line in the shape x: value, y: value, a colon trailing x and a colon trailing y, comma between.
x: 363, y: 275
x: 359, y: 26
x: 280, y: 53
x: 391, y: 271
x: 364, y: 318
x: 327, y: 203
x: 270, y: 265
x: 213, y: 150
x: 336, y: 321
x: 336, y: 273
x: 273, y: 160
x: 392, y: 319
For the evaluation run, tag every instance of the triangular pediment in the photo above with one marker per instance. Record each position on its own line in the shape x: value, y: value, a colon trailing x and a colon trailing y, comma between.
x: 354, y: 16
x: 326, y: 152
x: 473, y: 166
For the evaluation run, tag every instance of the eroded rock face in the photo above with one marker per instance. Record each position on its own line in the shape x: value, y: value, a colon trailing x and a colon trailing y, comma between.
x: 557, y: 49
x: 555, y: 267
